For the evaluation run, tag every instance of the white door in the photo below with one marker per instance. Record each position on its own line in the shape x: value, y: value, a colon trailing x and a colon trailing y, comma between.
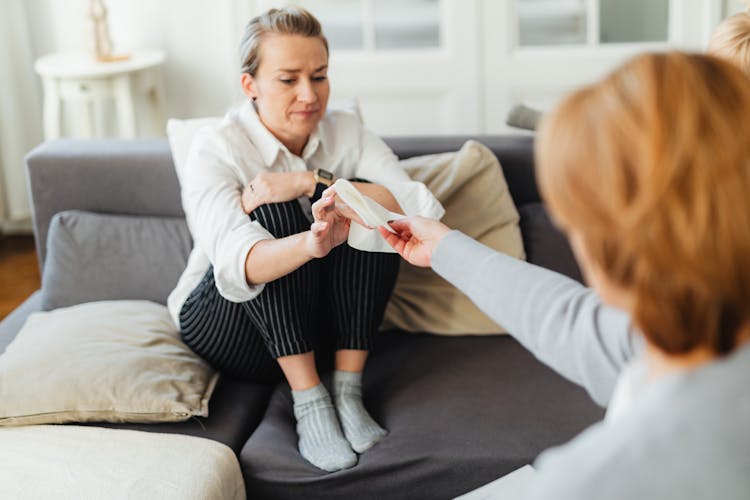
x: 537, y: 50
x: 458, y: 66
x: 412, y: 64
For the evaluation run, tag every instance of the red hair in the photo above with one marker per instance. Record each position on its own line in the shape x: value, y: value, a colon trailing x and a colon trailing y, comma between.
x: 651, y: 166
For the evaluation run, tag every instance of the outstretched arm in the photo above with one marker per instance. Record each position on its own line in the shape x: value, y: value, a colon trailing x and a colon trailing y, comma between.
x: 560, y: 321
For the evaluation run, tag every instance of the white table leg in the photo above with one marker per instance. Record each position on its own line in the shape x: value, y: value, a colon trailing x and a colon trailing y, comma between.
x: 159, y: 114
x: 124, y: 105
x: 52, y: 105
x: 100, y: 128
x: 87, y: 125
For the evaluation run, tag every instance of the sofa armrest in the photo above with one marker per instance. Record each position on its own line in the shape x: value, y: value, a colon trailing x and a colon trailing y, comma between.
x: 12, y: 323
x: 116, y: 176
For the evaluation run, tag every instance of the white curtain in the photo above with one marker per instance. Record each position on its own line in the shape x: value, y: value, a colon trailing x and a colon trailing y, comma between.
x: 20, y: 112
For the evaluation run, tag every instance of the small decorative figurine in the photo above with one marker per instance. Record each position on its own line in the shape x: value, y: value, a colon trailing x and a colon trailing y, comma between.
x: 102, y: 40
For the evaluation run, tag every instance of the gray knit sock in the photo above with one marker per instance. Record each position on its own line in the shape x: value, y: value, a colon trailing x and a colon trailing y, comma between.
x: 359, y: 428
x: 320, y: 439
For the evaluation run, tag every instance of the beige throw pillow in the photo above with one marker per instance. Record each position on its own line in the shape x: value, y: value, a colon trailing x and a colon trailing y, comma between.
x: 113, y: 361
x: 471, y: 186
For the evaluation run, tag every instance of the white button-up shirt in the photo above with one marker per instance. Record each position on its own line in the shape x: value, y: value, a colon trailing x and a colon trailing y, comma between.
x: 224, y: 159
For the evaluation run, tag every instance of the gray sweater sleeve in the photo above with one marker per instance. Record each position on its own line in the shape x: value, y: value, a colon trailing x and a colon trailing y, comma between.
x: 563, y: 323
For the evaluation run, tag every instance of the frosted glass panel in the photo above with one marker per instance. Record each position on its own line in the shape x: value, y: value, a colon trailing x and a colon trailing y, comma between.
x: 633, y: 21
x: 378, y: 24
x: 552, y: 22
x: 407, y: 24
x: 341, y: 20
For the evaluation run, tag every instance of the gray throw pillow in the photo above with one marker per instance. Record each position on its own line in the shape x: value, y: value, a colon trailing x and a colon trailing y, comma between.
x: 93, y: 257
x: 545, y: 245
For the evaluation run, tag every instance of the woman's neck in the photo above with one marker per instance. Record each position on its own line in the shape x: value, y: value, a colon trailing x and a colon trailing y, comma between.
x: 295, y: 145
x: 661, y: 364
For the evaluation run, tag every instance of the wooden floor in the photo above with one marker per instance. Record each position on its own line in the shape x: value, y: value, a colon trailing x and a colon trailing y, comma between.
x: 19, y: 272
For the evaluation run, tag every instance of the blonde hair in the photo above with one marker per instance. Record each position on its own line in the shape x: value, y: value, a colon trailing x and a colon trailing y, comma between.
x: 651, y: 167
x: 284, y: 21
x: 731, y: 41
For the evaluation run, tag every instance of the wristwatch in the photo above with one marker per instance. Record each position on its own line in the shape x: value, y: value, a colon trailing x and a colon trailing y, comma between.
x: 323, y: 180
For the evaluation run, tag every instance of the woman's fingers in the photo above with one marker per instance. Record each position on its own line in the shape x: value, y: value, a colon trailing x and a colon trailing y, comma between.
x: 395, y: 240
x: 346, y: 211
x: 319, y: 228
x: 319, y: 207
x: 330, y: 192
x: 400, y: 225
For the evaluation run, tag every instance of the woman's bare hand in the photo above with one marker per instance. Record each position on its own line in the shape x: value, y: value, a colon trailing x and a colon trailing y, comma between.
x: 415, y: 238
x: 342, y: 209
x: 329, y: 229
x: 275, y: 187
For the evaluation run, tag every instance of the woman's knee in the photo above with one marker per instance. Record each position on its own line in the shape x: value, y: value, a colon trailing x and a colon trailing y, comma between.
x: 376, y: 272
x: 384, y: 262
x: 281, y: 219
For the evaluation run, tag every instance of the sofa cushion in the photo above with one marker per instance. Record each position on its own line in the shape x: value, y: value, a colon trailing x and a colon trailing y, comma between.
x: 82, y: 462
x: 234, y: 411
x: 471, y: 186
x: 546, y: 245
x: 108, y: 257
x: 13, y: 322
x: 460, y: 411
x: 114, y: 361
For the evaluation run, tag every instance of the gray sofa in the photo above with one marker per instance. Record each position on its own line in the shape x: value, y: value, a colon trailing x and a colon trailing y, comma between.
x: 461, y: 411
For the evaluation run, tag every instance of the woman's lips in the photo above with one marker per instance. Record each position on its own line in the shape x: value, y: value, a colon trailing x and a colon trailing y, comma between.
x: 306, y: 114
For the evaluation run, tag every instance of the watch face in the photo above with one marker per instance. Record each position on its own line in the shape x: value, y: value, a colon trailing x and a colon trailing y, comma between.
x: 325, y: 174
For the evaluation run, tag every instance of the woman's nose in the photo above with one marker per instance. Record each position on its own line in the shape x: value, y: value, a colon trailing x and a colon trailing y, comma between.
x: 306, y: 92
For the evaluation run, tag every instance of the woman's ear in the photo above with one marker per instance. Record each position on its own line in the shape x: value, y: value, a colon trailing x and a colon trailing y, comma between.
x: 248, y: 86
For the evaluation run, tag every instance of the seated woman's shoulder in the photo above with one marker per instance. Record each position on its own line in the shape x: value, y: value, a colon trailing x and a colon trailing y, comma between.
x: 345, y: 113
x: 219, y: 130
x: 341, y: 122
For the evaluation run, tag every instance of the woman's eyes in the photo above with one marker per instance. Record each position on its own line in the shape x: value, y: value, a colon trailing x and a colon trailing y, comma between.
x: 291, y: 81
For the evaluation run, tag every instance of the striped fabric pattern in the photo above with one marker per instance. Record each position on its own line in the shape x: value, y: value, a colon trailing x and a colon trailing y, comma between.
x: 341, y: 296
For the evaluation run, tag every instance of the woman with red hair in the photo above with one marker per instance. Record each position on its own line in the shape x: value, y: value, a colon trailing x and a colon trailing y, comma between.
x: 648, y: 174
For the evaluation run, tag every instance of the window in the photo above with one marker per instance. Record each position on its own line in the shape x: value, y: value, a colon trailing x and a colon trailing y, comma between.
x: 591, y: 22
x: 374, y: 25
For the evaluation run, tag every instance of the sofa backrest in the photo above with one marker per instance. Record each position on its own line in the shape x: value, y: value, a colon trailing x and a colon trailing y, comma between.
x: 137, y: 177
x: 127, y: 177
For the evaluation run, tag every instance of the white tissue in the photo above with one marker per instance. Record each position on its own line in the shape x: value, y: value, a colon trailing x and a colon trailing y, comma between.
x: 372, y: 213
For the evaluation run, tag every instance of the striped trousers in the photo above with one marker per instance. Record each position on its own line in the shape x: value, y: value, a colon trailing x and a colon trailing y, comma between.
x: 327, y: 304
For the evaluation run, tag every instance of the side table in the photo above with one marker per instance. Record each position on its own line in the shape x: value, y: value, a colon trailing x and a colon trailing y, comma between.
x: 78, y: 76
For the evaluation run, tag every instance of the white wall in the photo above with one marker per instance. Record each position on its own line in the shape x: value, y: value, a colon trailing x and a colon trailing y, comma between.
x: 20, y: 111
x: 200, y: 38
x: 734, y: 6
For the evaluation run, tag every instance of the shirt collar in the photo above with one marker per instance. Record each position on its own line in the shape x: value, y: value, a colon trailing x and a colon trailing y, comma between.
x: 267, y: 144
x: 312, y: 143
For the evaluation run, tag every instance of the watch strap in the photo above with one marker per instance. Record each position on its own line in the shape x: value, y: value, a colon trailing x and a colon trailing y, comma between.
x: 319, y: 188
x: 323, y: 180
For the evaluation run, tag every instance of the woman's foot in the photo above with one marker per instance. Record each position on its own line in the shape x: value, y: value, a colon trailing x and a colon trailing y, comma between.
x: 321, y: 441
x: 360, y: 429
